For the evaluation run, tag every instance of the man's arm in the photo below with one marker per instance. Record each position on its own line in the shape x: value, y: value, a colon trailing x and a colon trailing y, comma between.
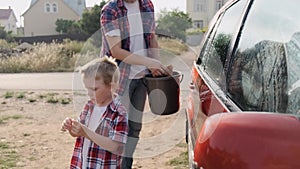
x: 154, y: 47
x: 157, y: 69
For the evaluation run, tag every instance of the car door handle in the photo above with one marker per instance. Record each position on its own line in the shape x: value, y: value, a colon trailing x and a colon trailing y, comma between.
x: 192, y: 86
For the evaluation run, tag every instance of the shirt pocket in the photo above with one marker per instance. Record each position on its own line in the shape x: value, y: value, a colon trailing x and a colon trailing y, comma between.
x: 105, y: 127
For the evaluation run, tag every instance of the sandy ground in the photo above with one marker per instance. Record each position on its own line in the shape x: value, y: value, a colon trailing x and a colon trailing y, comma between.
x: 31, y: 129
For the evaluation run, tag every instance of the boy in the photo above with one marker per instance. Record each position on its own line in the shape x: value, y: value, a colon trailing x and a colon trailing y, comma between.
x: 102, y: 127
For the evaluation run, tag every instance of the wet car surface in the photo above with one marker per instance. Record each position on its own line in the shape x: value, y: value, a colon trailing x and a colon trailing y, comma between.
x: 244, y: 102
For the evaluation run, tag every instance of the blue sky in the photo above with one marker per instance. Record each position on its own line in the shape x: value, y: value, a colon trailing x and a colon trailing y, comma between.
x: 20, y: 6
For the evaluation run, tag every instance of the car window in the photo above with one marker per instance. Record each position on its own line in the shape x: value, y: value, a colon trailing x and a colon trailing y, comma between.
x: 217, y: 45
x: 265, y: 70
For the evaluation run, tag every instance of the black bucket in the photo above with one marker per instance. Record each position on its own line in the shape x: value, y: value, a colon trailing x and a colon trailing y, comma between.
x: 164, y: 93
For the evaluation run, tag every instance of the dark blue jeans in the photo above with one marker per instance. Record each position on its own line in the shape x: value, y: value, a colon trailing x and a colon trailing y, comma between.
x: 134, y: 100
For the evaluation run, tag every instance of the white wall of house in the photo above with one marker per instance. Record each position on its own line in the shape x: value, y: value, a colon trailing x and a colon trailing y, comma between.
x: 202, y: 11
x: 40, y: 18
x: 9, y: 24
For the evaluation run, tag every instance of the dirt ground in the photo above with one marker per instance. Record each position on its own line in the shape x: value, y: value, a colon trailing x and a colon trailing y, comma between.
x: 30, y: 132
x: 30, y: 124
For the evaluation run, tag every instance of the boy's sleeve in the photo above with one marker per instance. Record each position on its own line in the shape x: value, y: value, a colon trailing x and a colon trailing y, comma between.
x: 120, y: 130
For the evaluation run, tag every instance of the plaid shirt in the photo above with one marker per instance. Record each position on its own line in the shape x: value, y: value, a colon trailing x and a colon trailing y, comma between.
x: 113, y: 124
x: 114, y: 16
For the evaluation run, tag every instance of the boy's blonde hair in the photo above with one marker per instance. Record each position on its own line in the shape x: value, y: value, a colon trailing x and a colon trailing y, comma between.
x: 104, y: 68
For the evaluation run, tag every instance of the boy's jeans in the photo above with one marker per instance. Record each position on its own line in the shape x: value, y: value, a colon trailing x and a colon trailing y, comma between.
x: 133, y: 99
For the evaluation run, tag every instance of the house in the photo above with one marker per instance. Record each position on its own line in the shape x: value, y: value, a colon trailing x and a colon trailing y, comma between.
x: 8, y: 20
x: 40, y: 17
x: 202, y: 11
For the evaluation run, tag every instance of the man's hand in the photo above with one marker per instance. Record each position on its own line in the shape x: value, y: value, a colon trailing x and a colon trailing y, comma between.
x: 158, y: 69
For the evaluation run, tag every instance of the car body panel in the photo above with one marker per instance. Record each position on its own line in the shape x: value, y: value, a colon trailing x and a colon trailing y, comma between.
x: 202, y: 102
x: 249, y: 141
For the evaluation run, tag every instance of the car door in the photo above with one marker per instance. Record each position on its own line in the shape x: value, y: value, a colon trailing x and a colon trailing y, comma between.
x: 261, y: 75
x: 207, y: 96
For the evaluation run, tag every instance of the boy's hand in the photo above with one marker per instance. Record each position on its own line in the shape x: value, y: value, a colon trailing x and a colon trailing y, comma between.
x: 66, y: 124
x: 77, y: 129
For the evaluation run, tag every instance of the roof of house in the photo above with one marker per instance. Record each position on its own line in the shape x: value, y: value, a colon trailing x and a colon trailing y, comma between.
x: 78, y: 6
x: 5, y: 13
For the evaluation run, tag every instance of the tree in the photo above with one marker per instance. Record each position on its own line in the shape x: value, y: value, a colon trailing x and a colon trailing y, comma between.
x: 221, y: 45
x: 90, y: 22
x: 174, y: 23
x: 3, y: 33
x: 8, y: 36
x: 63, y: 25
x: 75, y: 28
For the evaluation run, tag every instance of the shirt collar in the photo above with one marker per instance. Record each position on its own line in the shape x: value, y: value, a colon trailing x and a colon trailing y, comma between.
x: 121, y: 3
x: 115, y: 103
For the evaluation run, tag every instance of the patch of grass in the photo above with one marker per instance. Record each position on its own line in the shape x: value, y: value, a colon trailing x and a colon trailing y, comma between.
x: 5, y: 118
x: 20, y: 95
x: 181, y: 145
x: 42, y: 58
x: 26, y: 134
x: 4, y: 43
x: 16, y: 116
x: 65, y: 56
x: 8, y: 95
x: 48, y: 97
x: 52, y: 100
x: 65, y: 101
x: 180, y: 162
x: 172, y: 45
x: 73, y: 46
x: 3, y: 146
x: 79, y: 94
x: 32, y: 100
x: 32, y: 158
x: 51, y: 94
x: 42, y: 96
x: 8, y: 157
x: 56, y: 98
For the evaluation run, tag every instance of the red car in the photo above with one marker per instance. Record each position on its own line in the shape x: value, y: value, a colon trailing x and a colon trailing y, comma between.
x: 244, y: 105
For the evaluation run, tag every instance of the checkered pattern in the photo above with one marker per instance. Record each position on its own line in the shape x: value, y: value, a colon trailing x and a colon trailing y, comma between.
x: 114, y: 125
x: 114, y: 16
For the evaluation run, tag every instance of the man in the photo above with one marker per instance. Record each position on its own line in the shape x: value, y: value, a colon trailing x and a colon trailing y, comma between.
x: 128, y: 29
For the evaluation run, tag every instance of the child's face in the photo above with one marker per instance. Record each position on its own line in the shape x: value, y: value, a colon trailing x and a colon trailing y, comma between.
x: 97, y: 91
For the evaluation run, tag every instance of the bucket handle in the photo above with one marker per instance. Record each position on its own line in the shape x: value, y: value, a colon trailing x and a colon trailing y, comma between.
x: 144, y: 81
x: 182, y: 75
x: 145, y: 84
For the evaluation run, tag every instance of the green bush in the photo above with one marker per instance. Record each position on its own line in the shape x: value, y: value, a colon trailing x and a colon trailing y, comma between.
x: 196, y: 31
